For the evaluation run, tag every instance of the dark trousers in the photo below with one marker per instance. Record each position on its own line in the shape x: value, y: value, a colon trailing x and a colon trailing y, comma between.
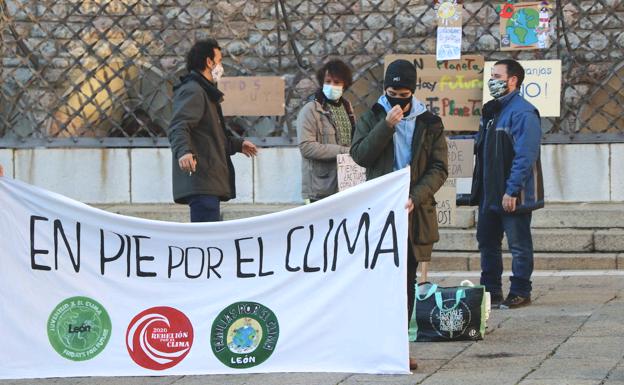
x: 517, y: 227
x: 412, y: 266
x: 205, y: 208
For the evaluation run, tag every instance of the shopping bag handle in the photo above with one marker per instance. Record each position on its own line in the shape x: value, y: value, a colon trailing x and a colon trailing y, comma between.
x: 429, y: 293
x: 459, y: 295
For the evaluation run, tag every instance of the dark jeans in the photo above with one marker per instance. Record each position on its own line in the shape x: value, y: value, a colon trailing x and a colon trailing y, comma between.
x: 517, y: 227
x: 205, y: 208
x: 412, y: 266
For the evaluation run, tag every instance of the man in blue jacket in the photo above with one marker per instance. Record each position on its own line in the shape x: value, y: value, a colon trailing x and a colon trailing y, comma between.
x: 507, y: 184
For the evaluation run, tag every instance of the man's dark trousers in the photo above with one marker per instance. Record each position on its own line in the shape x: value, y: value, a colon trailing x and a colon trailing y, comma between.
x: 205, y: 208
x: 517, y: 227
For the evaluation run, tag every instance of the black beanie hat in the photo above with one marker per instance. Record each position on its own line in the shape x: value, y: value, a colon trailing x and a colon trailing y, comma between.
x: 400, y: 74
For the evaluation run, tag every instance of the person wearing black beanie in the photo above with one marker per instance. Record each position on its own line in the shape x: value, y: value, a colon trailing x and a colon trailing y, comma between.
x: 397, y: 132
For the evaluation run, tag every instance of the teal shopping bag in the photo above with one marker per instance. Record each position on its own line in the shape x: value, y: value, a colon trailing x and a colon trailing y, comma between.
x: 454, y: 313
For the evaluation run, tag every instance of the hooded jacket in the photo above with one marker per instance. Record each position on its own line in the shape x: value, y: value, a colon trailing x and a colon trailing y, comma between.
x: 373, y: 148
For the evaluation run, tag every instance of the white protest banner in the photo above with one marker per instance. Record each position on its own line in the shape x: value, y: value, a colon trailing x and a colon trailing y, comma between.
x: 541, y: 85
x: 349, y: 173
x: 253, y: 95
x: 460, y: 158
x: 319, y: 288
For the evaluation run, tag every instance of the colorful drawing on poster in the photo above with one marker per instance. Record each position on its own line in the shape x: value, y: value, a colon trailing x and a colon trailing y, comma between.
x: 525, y: 26
x: 449, y: 34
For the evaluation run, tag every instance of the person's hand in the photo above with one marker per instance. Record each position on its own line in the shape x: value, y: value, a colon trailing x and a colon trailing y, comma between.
x: 394, y: 116
x: 187, y: 163
x: 1, y: 170
x: 509, y: 203
x: 409, y: 205
x: 249, y: 149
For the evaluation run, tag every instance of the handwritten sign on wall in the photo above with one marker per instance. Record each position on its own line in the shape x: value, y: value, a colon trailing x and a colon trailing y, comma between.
x: 253, y: 96
x: 446, y: 204
x: 460, y: 158
x: 541, y: 86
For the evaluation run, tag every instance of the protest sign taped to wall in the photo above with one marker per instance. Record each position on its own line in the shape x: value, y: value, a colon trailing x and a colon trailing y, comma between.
x: 451, y: 89
x: 525, y: 26
x: 460, y: 158
x: 446, y: 203
x: 541, y: 86
x: 449, y: 33
x: 253, y: 95
x: 90, y: 293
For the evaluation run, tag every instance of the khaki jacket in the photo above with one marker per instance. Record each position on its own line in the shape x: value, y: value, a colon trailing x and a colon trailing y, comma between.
x: 318, y: 142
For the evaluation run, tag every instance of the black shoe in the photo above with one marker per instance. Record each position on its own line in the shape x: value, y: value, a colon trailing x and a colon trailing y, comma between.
x: 515, y: 301
x: 495, y: 300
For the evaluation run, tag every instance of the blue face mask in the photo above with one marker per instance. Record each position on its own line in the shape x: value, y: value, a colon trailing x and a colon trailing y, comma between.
x: 332, y: 92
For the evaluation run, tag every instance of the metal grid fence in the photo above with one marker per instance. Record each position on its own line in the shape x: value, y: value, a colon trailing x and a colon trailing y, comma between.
x: 100, y: 72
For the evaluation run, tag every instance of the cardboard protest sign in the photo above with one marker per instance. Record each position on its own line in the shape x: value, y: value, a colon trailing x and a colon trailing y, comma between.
x: 446, y: 204
x: 541, y: 86
x: 349, y: 173
x: 449, y: 34
x: 460, y: 158
x: 253, y: 96
x: 450, y: 89
x: 525, y: 26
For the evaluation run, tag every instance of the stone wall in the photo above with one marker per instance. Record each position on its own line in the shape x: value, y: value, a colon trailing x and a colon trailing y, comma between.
x: 72, y: 64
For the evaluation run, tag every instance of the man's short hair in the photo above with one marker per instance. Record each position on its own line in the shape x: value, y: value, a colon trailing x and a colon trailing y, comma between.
x: 336, y: 69
x: 199, y: 52
x: 513, y: 69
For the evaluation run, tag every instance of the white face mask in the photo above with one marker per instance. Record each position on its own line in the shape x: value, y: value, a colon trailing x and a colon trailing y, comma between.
x: 217, y: 73
x: 332, y: 92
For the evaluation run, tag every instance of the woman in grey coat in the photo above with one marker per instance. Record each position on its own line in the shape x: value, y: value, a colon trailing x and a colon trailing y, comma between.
x: 325, y: 126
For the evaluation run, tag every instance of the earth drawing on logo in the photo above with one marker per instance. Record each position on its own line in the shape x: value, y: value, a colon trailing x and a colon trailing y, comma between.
x: 521, y: 26
x: 244, y: 336
x: 79, y: 328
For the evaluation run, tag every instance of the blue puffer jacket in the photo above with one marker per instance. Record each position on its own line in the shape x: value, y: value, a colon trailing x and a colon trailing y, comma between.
x: 508, y: 155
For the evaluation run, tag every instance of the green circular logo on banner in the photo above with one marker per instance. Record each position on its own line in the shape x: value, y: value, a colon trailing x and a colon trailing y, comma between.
x: 79, y: 328
x: 244, y: 334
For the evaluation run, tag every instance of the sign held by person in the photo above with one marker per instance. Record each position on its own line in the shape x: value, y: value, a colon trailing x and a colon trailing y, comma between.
x: 349, y: 173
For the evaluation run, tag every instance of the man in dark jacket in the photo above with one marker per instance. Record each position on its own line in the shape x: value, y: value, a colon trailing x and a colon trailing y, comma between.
x: 507, y: 183
x: 203, y: 173
x: 398, y: 132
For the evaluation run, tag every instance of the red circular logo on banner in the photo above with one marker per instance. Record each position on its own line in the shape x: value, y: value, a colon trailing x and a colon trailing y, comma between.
x: 159, y: 338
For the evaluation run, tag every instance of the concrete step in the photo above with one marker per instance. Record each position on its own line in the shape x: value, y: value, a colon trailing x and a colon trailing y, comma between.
x: 579, y: 215
x: 561, y: 216
x: 465, y: 217
x: 546, y: 240
x: 466, y: 261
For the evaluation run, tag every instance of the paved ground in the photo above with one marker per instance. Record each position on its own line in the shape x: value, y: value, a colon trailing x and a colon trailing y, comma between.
x: 573, y: 334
